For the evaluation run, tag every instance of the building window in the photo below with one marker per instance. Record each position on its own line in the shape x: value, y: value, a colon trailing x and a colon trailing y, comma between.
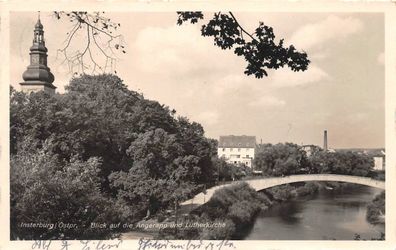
x: 238, y: 156
x: 247, y: 156
x: 223, y: 149
x: 239, y: 149
x: 231, y: 149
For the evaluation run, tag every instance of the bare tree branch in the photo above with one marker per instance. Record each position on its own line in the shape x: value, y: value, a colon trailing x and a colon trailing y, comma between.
x: 102, y: 42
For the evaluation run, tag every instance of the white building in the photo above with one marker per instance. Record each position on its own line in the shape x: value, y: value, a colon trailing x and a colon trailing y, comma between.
x: 237, y: 149
x: 309, y: 149
x: 379, y: 161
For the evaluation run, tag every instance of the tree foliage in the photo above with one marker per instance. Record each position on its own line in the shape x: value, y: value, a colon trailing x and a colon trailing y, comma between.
x: 280, y: 159
x: 260, y: 49
x: 161, y: 173
x: 236, y: 206
x: 287, y: 159
x: 348, y: 163
x: 376, y: 209
x: 48, y: 191
x: 145, y: 157
x: 228, y: 172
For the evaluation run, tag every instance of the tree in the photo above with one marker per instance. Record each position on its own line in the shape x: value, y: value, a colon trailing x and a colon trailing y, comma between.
x: 45, y: 190
x: 163, y: 172
x: 349, y: 163
x: 149, y: 153
x: 94, y: 118
x: 236, y: 206
x: 228, y: 172
x: 97, y: 117
x: 280, y: 159
x: 259, y: 48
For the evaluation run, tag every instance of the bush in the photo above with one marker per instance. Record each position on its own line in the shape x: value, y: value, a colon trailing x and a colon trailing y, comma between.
x: 282, y: 193
x: 308, y: 189
x: 44, y: 190
x: 219, y: 233
x: 376, y: 209
x: 236, y: 206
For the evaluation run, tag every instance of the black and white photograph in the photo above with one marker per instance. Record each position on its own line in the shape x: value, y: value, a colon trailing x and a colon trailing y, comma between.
x: 210, y: 127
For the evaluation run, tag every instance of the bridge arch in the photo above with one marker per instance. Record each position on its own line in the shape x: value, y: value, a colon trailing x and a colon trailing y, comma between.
x: 264, y: 183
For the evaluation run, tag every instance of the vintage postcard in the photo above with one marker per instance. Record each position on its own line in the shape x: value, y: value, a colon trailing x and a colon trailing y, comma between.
x: 166, y: 125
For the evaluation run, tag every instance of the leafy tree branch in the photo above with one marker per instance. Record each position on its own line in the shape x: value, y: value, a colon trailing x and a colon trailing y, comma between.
x: 261, y: 51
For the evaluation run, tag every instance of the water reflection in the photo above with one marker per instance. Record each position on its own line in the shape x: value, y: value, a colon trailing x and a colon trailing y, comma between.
x: 326, y: 216
x: 284, y: 213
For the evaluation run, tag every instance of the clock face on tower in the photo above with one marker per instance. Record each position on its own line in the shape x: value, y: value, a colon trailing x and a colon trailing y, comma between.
x: 35, y: 59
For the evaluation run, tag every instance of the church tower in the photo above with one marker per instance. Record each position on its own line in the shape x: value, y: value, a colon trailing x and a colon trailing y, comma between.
x: 37, y: 76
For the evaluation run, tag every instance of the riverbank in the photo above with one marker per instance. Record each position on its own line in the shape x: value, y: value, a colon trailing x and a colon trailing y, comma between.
x: 232, y: 211
x: 234, y: 208
x: 376, y: 209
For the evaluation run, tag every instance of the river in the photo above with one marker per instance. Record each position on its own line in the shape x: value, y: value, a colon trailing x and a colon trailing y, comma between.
x: 324, y: 216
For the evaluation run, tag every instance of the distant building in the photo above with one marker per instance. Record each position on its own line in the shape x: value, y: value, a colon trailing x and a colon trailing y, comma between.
x: 237, y: 149
x: 37, y: 76
x: 309, y: 149
x: 379, y: 161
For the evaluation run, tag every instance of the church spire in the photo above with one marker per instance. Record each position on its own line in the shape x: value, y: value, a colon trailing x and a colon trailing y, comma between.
x: 37, y: 75
x: 38, y: 31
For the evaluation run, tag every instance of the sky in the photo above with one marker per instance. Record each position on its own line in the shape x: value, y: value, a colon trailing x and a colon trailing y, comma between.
x: 341, y: 92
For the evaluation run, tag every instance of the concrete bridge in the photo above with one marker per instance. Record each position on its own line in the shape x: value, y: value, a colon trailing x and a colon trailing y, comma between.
x: 260, y: 184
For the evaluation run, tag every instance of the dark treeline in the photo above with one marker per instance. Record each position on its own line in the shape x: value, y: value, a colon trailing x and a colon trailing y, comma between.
x: 100, y: 153
x: 288, y: 158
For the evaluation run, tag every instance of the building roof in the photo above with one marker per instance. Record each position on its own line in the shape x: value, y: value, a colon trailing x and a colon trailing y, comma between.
x: 234, y: 141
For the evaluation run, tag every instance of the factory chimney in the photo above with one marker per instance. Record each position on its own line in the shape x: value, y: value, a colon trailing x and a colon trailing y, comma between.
x: 325, y: 141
